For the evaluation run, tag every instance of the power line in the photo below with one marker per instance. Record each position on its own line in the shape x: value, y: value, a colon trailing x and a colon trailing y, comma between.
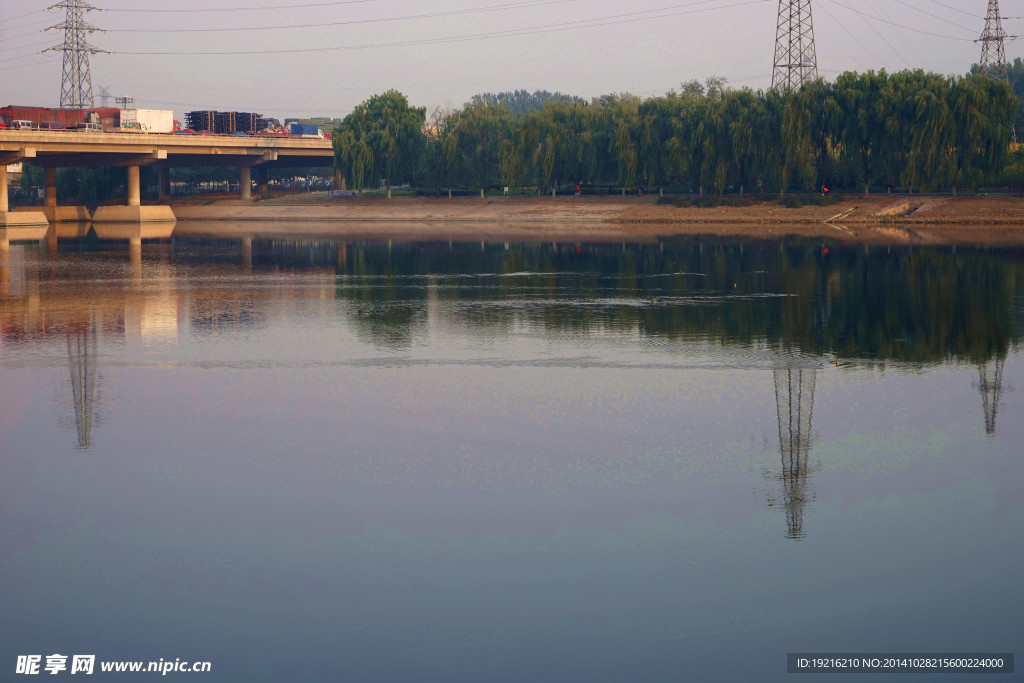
x: 243, y: 9
x: 514, y: 5
x: 38, y: 23
x: 24, y: 35
x: 630, y: 17
x: 892, y: 23
x: 853, y: 35
x: 27, y: 14
x: 956, y: 9
x: 34, y: 53
x: 935, y: 16
x: 25, y: 66
x: 898, y: 35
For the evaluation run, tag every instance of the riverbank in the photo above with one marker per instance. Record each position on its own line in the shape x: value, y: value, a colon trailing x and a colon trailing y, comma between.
x: 881, y: 218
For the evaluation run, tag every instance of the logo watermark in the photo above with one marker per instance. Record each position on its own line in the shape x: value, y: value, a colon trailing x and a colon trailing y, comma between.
x: 34, y: 665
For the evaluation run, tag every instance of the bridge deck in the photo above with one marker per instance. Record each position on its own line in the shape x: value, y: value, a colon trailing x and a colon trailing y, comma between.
x: 73, y: 148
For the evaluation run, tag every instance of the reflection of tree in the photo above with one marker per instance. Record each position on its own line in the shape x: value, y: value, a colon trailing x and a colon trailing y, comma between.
x: 385, y: 306
x: 81, y: 341
x: 794, y: 401
x: 910, y: 305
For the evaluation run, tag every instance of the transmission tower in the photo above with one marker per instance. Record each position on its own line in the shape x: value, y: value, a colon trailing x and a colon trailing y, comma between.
x: 76, y: 81
x: 993, y: 42
x: 795, y: 58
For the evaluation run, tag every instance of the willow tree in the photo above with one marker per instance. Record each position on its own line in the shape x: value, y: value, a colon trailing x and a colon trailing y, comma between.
x: 746, y: 114
x: 473, y: 148
x: 983, y: 110
x: 625, y: 147
x: 929, y: 161
x: 804, y: 135
x: 381, y: 139
x: 860, y: 127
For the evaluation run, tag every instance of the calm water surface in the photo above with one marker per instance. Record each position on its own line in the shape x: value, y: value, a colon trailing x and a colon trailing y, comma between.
x: 316, y: 461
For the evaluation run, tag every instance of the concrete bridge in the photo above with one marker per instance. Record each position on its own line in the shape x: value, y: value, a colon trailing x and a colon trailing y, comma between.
x: 54, y: 149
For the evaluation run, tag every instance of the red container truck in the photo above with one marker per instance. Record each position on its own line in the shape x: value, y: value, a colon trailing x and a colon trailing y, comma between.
x: 69, y: 118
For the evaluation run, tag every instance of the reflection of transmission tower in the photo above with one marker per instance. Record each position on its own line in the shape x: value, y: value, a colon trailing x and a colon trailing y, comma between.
x: 82, y: 364
x: 794, y: 401
x: 76, y: 81
x: 795, y: 59
x: 990, y: 386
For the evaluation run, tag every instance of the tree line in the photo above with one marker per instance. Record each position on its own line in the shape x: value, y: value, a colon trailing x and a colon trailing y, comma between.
x: 864, y: 132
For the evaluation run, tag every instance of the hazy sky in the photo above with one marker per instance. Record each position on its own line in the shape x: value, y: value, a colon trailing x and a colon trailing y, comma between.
x: 325, y: 57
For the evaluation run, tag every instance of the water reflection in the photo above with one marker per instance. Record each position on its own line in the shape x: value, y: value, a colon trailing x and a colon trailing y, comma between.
x: 604, y: 454
x: 794, y: 405
x: 82, y: 348
x: 672, y: 306
x: 990, y: 386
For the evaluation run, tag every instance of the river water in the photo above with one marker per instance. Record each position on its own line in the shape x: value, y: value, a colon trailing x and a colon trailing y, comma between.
x: 682, y: 460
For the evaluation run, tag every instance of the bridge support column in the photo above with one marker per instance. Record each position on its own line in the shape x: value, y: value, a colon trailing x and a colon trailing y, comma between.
x: 134, y: 193
x: 50, y: 177
x: 261, y: 182
x: 54, y: 213
x: 3, y: 189
x: 245, y: 182
x: 134, y: 212
x: 165, y: 183
x: 14, y: 224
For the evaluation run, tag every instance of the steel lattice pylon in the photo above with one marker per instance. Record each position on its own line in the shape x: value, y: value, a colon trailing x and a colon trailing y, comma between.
x: 795, y: 59
x: 993, y: 42
x: 76, y: 81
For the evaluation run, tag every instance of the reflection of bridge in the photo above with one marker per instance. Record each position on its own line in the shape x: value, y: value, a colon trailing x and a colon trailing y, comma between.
x: 794, y: 401
x: 52, y: 150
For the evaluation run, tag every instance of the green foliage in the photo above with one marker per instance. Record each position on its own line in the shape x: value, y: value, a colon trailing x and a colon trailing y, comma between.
x: 522, y: 101
x: 381, y: 140
x: 31, y: 178
x: 872, y: 130
x: 91, y: 184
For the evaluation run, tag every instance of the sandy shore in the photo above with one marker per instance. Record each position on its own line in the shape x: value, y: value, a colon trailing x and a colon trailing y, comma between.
x: 873, y: 219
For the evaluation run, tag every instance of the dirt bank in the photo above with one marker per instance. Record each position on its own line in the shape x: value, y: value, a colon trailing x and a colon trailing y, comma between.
x: 873, y: 219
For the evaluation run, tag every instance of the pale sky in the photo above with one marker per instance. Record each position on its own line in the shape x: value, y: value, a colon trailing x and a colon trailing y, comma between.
x: 442, y: 52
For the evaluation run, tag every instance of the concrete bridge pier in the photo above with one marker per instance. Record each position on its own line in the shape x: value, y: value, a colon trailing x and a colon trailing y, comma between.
x: 55, y: 213
x: 15, y: 219
x: 261, y: 182
x: 245, y: 182
x: 134, y: 212
x: 165, y: 184
x: 245, y: 174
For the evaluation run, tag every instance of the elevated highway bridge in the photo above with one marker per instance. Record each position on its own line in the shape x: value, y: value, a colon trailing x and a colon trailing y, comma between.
x: 162, y: 151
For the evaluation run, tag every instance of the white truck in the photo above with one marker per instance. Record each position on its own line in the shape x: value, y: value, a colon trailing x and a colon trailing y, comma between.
x: 148, y: 120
